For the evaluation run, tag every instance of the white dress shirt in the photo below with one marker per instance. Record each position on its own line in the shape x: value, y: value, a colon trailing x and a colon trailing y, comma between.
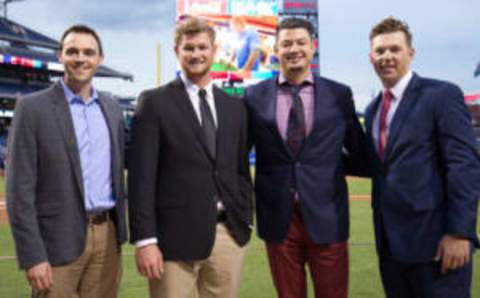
x: 192, y: 91
x: 397, y: 91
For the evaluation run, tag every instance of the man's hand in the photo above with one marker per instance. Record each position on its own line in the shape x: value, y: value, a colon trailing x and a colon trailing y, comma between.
x: 149, y: 260
x: 40, y: 277
x: 453, y: 252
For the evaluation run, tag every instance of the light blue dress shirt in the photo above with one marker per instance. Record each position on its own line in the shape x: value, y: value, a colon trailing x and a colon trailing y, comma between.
x: 93, y: 140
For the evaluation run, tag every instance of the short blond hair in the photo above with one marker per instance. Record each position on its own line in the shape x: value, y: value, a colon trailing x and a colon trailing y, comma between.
x: 192, y: 26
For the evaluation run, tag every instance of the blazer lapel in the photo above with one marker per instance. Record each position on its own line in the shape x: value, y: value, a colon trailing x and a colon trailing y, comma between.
x: 183, y: 101
x: 370, y: 113
x: 113, y: 130
x: 401, y: 114
x: 268, y: 102
x: 223, y: 120
x: 321, y: 94
x: 109, y: 117
x: 65, y: 123
x: 267, y: 110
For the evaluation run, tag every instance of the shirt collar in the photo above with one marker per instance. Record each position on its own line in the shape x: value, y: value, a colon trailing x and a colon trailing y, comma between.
x: 72, y: 97
x: 282, y: 80
x: 193, y: 88
x: 399, y: 89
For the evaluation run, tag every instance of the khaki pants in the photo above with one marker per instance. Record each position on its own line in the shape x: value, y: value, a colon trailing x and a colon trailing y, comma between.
x: 218, y: 276
x: 95, y: 274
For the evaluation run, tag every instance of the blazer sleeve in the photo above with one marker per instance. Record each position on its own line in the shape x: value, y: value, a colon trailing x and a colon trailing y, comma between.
x: 246, y: 100
x: 355, y: 142
x: 245, y: 182
x: 21, y: 183
x: 142, y: 169
x: 459, y: 161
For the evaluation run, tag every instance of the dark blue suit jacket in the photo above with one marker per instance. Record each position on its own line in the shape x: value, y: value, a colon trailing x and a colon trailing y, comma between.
x: 319, y: 168
x: 429, y: 182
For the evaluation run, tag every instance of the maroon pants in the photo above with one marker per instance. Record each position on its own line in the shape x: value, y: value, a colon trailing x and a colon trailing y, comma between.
x: 328, y: 264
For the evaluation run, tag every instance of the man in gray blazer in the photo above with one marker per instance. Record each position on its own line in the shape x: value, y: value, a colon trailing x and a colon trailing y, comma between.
x: 65, y: 193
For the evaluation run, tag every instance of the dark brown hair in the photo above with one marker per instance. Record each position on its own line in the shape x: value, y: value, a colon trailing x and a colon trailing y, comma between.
x: 294, y: 23
x: 391, y: 25
x: 80, y: 28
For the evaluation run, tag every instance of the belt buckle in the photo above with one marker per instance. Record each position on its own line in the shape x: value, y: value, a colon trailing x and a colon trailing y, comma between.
x: 221, y: 216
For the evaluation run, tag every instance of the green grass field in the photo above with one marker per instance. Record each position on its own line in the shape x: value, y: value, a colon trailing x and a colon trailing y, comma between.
x: 364, y: 277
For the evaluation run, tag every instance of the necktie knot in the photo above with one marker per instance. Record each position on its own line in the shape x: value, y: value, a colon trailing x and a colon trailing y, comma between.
x: 202, y: 93
x: 387, y: 96
x: 295, y: 90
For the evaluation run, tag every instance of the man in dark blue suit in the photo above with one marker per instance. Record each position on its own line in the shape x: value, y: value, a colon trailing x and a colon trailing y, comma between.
x: 426, y: 174
x: 302, y: 125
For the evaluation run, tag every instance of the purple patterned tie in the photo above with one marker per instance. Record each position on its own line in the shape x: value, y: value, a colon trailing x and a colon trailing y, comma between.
x: 296, y: 122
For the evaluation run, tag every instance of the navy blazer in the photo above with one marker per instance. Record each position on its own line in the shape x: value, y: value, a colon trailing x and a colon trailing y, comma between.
x: 319, y: 168
x: 429, y: 182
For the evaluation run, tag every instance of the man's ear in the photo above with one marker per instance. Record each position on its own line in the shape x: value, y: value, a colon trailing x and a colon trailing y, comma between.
x: 411, y: 52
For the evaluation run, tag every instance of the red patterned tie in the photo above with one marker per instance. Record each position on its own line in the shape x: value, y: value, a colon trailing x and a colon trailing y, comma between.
x: 382, y: 135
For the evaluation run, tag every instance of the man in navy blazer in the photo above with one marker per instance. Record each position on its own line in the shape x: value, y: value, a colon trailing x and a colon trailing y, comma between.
x: 301, y: 125
x: 426, y: 174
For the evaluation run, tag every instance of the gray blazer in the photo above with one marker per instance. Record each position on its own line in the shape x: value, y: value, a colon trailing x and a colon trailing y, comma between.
x: 45, y: 195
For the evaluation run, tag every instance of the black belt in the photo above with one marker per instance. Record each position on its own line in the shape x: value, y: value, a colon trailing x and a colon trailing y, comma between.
x: 221, y: 216
x: 98, y: 218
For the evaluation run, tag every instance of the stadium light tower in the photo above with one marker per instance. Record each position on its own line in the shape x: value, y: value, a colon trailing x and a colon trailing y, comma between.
x: 5, y: 6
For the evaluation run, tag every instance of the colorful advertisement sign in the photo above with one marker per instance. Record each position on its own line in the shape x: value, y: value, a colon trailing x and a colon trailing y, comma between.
x: 245, y: 36
x: 21, y: 61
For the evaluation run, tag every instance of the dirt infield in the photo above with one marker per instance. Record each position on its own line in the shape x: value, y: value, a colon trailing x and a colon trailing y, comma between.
x: 360, y: 198
x: 3, y: 212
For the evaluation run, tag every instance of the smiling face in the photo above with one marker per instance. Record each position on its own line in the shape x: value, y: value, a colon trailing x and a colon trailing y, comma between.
x: 81, y: 57
x: 294, y: 48
x: 195, y: 53
x: 391, y: 55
